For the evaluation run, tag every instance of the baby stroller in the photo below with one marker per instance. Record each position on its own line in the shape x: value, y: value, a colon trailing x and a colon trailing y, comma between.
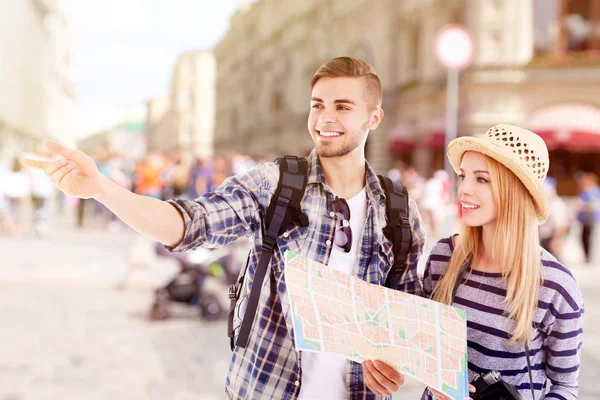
x: 193, y: 286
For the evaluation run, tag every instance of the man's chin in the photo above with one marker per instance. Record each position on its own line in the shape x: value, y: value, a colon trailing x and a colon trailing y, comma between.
x: 333, y: 151
x: 328, y: 152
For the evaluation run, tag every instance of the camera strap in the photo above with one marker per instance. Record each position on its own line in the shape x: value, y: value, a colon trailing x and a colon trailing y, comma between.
x: 458, y: 282
x: 529, y: 371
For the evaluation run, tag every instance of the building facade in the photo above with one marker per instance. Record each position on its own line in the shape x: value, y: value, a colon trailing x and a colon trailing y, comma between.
x: 38, y: 95
x: 126, y: 138
x: 160, y: 126
x: 266, y: 61
x: 533, y: 58
x: 535, y: 65
x: 184, y: 120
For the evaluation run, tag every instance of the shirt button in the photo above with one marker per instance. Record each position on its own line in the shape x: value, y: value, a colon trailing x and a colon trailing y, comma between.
x: 286, y: 234
x: 297, y: 383
x: 328, y: 243
x: 332, y: 214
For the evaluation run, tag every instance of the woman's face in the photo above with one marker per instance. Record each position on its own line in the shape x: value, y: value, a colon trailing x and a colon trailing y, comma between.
x: 475, y: 191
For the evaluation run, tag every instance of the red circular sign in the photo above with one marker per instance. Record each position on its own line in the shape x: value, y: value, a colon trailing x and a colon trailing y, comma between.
x: 454, y: 47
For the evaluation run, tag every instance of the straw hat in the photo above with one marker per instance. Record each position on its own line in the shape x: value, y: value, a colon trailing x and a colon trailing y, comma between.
x: 521, y: 151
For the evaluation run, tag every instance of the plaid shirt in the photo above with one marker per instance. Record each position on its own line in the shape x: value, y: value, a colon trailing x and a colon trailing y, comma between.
x: 269, y: 366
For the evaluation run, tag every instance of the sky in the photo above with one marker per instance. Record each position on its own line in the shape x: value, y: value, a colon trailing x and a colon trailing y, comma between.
x: 124, y: 51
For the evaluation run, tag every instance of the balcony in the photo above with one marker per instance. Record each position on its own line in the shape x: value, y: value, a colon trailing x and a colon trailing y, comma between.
x: 566, y: 33
x: 566, y: 59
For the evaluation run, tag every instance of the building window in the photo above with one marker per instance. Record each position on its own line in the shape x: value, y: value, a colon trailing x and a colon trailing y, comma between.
x: 192, y: 100
x: 191, y: 133
x: 233, y: 124
x: 277, y: 107
x: 414, y: 43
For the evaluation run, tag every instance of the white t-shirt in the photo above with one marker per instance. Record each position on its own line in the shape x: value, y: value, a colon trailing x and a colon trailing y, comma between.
x: 324, y: 375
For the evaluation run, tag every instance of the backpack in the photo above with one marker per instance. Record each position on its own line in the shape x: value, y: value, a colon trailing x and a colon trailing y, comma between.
x: 285, y: 209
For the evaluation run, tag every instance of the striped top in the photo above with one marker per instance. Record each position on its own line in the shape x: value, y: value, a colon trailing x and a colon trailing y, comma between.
x: 555, y: 347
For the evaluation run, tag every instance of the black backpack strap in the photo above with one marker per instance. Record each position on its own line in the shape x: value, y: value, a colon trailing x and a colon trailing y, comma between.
x: 234, y: 294
x: 397, y: 229
x: 284, y: 209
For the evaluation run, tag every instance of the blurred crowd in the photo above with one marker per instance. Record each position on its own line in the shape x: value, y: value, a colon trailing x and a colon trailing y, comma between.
x: 23, y: 189
x: 441, y: 210
x: 158, y: 175
x: 27, y: 196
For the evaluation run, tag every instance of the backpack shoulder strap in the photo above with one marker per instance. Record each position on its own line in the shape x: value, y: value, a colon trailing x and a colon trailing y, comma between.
x: 288, y: 195
x: 397, y: 229
x: 284, y: 209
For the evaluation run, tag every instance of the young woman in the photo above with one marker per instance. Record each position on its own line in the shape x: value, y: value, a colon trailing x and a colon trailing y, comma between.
x: 519, y: 299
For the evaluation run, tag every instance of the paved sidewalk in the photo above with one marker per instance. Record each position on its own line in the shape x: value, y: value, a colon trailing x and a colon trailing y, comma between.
x: 67, y: 333
x: 91, y: 342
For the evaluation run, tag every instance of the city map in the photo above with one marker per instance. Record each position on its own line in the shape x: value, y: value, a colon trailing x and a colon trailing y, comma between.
x: 337, y: 313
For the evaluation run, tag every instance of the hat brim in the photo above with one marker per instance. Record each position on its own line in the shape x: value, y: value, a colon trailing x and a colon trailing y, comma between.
x: 458, y: 147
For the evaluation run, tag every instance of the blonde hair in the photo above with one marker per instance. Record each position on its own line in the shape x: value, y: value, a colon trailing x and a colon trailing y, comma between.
x: 515, y: 247
x: 352, y: 68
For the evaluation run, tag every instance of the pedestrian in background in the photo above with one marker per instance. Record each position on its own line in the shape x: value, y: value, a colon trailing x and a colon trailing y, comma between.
x: 434, y: 203
x: 588, y: 209
x: 42, y: 191
x: 3, y: 198
x: 553, y: 232
x: 524, y: 309
x: 18, y: 195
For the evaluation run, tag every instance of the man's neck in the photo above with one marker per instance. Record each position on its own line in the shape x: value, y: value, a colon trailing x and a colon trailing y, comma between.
x: 345, y: 175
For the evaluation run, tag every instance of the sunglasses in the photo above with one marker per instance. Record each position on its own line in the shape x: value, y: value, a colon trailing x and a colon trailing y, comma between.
x: 343, y: 234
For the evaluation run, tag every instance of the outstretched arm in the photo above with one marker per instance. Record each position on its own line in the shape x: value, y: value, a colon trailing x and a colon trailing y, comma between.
x: 75, y: 174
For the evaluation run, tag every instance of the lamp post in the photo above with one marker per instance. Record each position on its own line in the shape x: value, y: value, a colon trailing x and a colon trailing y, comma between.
x: 454, y: 51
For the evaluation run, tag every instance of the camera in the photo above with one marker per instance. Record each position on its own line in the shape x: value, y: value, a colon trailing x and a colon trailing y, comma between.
x: 490, y: 386
x: 485, y: 380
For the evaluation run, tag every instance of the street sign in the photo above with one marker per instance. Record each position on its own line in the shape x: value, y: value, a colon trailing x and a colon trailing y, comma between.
x: 454, y: 47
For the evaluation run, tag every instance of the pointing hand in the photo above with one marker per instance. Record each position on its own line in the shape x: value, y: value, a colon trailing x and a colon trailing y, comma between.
x: 73, y: 172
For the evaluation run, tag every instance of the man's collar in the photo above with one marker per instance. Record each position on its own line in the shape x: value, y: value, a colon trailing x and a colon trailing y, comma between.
x: 315, y: 172
x: 315, y: 176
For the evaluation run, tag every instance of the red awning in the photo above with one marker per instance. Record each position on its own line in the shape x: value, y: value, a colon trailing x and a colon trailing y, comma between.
x: 402, y: 138
x: 549, y: 137
x: 579, y: 141
x: 573, y: 127
x: 399, y: 145
x: 436, y: 140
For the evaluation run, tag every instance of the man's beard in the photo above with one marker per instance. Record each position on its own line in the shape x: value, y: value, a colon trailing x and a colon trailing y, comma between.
x: 347, y: 148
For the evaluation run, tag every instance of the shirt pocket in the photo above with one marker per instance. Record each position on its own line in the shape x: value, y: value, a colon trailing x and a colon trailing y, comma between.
x: 292, y: 239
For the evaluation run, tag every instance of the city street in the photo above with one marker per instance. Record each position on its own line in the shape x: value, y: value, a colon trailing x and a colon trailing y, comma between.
x: 169, y: 99
x: 69, y: 333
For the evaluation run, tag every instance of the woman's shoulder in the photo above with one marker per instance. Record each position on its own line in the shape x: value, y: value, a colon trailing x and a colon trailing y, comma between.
x: 560, y: 284
x: 440, y: 254
x: 444, y: 247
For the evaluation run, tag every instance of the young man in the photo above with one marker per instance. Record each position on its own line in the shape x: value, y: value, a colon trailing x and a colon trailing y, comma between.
x: 345, y: 106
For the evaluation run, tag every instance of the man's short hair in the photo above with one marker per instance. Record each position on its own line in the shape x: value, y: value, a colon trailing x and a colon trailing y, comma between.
x: 349, y: 67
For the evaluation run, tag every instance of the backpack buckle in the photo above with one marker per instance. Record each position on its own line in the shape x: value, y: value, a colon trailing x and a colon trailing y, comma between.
x: 268, y: 244
x: 404, y: 222
x: 232, y: 292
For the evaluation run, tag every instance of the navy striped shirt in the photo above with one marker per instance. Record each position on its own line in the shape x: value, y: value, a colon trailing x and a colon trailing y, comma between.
x: 555, y: 347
